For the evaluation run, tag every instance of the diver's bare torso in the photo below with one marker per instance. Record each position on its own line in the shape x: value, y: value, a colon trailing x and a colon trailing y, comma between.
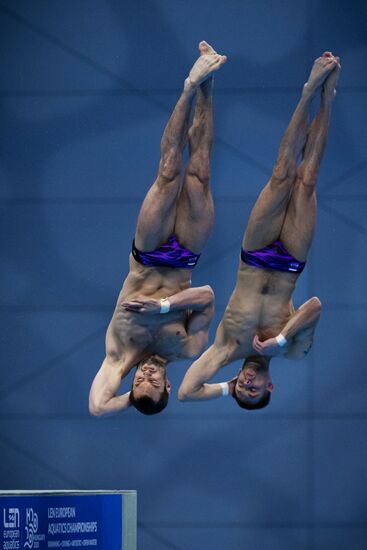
x: 133, y: 334
x: 260, y: 304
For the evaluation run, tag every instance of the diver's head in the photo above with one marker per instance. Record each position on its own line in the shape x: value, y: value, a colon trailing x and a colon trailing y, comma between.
x: 150, y: 388
x: 253, y: 386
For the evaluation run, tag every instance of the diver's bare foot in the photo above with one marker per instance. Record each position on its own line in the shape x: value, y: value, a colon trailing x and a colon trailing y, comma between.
x: 208, y: 62
x: 322, y: 67
x: 207, y: 86
x: 329, y: 85
x: 206, y: 49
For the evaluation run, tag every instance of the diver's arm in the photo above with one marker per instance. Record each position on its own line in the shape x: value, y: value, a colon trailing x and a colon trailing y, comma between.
x: 301, y: 344
x: 302, y: 339
x: 102, y: 396
x: 194, y: 299
x: 306, y: 317
x: 194, y: 386
x: 297, y: 332
x: 197, y: 329
x: 197, y: 299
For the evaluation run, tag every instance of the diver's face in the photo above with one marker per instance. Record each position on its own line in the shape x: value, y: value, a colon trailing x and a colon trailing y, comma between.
x: 150, y: 378
x: 252, y: 384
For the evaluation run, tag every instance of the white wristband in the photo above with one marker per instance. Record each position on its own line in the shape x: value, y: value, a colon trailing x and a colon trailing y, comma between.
x: 225, y: 388
x: 281, y: 340
x: 165, y: 305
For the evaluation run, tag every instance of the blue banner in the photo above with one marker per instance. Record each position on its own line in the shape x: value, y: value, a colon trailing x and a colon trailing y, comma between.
x: 47, y: 521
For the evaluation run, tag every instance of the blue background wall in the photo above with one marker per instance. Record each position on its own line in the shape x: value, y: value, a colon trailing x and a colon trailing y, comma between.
x: 86, y: 89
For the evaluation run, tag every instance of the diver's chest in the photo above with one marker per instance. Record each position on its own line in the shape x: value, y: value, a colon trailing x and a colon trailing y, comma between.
x: 170, y: 339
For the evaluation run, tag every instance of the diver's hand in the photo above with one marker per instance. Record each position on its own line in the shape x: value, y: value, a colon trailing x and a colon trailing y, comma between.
x: 267, y: 347
x: 147, y: 306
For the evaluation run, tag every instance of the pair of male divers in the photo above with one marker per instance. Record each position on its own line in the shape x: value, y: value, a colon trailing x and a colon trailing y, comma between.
x: 160, y: 317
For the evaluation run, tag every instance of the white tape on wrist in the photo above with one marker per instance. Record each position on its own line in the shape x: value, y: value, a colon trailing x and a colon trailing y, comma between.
x: 281, y: 340
x: 165, y: 305
x: 225, y: 388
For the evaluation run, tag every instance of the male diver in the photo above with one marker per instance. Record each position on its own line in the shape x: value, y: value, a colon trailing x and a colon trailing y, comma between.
x: 260, y: 322
x: 159, y: 317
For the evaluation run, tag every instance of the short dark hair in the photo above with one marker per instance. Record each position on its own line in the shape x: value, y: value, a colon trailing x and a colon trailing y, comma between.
x: 147, y: 405
x: 264, y: 402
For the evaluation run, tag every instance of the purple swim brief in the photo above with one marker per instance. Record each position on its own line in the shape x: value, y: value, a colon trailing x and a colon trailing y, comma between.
x: 170, y: 254
x: 274, y: 256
